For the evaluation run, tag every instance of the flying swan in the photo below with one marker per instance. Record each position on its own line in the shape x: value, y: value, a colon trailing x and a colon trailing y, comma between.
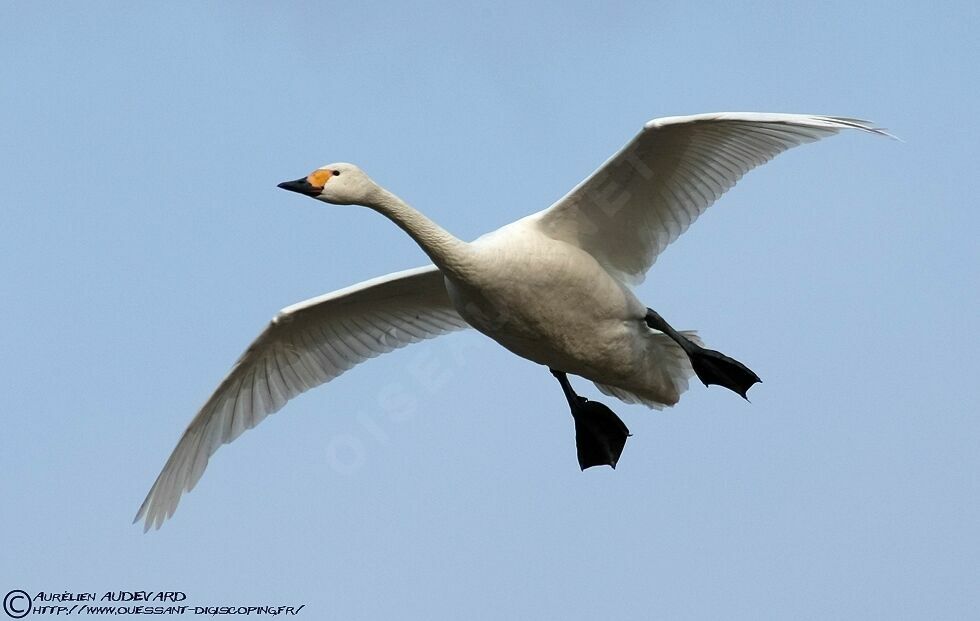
x: 553, y: 287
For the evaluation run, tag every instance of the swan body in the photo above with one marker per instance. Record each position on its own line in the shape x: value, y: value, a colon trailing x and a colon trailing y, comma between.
x: 553, y: 287
x: 553, y: 303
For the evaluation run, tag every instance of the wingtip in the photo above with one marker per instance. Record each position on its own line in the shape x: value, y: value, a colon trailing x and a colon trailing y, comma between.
x: 140, y: 516
x: 151, y: 519
x: 864, y: 125
x: 882, y: 131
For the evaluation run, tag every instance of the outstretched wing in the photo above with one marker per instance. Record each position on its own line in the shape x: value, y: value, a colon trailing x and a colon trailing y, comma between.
x: 626, y: 212
x: 304, y: 346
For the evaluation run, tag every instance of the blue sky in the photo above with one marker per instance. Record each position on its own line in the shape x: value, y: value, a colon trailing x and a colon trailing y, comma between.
x: 144, y: 244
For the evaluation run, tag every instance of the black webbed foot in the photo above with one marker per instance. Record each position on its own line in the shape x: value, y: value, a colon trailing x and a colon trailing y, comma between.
x: 711, y: 367
x: 600, y: 435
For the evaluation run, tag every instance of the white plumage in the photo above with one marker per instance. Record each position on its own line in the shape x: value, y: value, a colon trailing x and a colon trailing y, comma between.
x: 551, y: 287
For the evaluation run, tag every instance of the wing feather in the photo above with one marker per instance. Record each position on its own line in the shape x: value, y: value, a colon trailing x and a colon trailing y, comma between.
x: 306, y: 345
x: 651, y: 191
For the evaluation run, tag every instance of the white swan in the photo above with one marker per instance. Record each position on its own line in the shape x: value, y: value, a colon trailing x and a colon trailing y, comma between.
x: 551, y: 287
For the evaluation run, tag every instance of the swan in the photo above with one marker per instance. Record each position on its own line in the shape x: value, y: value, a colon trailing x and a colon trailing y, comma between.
x: 553, y: 287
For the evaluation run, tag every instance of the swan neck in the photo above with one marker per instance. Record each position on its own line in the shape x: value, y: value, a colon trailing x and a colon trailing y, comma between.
x: 445, y: 250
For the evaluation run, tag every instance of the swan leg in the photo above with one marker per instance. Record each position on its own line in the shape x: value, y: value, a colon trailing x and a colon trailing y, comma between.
x: 600, y: 435
x: 711, y: 367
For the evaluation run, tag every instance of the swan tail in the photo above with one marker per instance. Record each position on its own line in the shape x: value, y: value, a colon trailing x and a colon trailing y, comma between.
x: 665, y: 377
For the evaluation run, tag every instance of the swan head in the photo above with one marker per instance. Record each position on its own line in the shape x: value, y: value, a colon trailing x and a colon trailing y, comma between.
x: 339, y: 184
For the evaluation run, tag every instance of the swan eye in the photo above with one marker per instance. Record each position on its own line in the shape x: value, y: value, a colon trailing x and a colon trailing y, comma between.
x: 336, y: 173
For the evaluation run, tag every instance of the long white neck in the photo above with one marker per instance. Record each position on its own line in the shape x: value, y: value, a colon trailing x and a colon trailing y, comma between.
x: 446, y: 251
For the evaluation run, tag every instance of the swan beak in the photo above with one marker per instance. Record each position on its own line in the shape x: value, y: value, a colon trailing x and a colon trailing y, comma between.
x: 302, y: 186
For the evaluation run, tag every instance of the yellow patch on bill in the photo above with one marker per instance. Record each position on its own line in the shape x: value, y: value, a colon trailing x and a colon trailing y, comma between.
x: 319, y: 178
